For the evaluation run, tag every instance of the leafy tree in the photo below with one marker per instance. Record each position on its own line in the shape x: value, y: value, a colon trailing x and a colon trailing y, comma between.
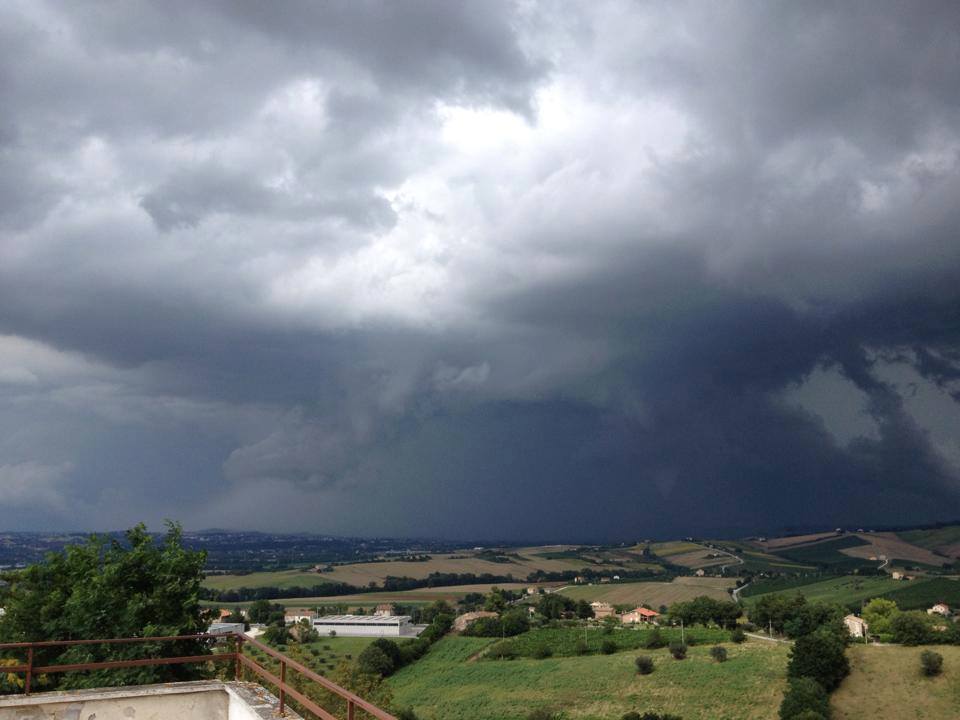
x: 678, y: 650
x: 644, y: 664
x: 819, y: 655
x: 276, y: 635
x: 105, y: 589
x: 554, y: 605
x: 390, y: 649
x: 931, y: 663
x: 775, y: 610
x: 804, y: 696
x: 502, y: 651
x: 912, y: 628
x: 584, y: 611
x: 260, y: 611
x: 374, y: 661
x: 438, y: 607
x: 810, y: 617
x: 495, y: 601
x: 704, y: 610
x: 718, y: 653
x: 879, y: 614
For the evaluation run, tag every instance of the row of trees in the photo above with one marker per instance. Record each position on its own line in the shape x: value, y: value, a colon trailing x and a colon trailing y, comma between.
x: 705, y: 610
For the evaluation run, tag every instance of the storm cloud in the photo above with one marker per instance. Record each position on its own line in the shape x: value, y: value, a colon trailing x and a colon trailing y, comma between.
x: 512, y: 270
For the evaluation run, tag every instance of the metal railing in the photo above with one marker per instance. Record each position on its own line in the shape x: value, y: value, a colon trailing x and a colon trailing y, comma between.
x: 353, y: 701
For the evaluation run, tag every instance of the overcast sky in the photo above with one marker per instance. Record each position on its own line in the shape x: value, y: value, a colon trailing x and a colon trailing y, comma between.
x: 479, y: 269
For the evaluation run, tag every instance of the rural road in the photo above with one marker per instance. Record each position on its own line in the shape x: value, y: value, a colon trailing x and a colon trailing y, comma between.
x: 736, y: 592
x: 755, y: 636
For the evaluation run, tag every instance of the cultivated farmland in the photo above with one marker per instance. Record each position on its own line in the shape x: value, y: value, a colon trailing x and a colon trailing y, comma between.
x: 446, y: 685
x: 653, y: 594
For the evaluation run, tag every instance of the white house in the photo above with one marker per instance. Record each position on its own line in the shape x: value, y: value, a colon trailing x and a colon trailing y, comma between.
x: 293, y: 616
x: 855, y: 626
x: 940, y: 609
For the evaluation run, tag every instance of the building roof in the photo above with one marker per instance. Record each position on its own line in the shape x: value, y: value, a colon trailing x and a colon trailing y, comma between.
x: 645, y: 612
x: 361, y: 619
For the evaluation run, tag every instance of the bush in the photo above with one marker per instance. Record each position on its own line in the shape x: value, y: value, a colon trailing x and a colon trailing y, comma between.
x: 406, y: 714
x: 543, y: 714
x: 649, y: 716
x: 803, y: 697
x: 718, y: 653
x: 911, y: 628
x: 581, y: 648
x: 931, y: 663
x: 542, y: 652
x: 502, y: 651
x: 738, y: 636
x: 644, y: 664
x: 678, y: 650
x: 608, y: 647
x: 655, y: 640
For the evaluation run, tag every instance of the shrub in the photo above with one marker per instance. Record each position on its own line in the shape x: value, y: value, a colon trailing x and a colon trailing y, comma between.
x: 931, y: 663
x: 655, y: 640
x: 644, y: 664
x: 502, y: 651
x: 581, y: 648
x: 738, y: 636
x: 543, y: 714
x: 911, y: 628
x: 718, y: 653
x: 407, y: 714
x: 542, y: 652
x: 678, y: 650
x: 804, y: 696
x: 608, y: 647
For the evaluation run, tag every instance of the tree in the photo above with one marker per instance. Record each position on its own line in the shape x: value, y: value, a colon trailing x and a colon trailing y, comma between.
x: 804, y: 695
x: 276, y: 635
x: 237, y: 617
x: 374, y: 661
x: 819, y: 655
x: 879, y: 614
x: 584, y: 611
x: 810, y: 617
x: 111, y: 588
x: 259, y: 611
x: 775, y: 610
x: 554, y: 605
x: 495, y: 601
x: 678, y: 650
x: 608, y: 647
x: 931, y: 663
x: 912, y: 628
x: 738, y: 636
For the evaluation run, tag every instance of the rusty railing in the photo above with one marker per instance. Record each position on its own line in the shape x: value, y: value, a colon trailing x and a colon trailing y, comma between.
x: 353, y: 701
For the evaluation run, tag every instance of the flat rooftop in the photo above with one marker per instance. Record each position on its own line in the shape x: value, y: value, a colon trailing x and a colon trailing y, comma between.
x: 204, y: 700
x: 362, y: 619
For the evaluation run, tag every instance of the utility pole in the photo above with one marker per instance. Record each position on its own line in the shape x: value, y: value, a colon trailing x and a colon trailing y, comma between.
x: 682, y: 638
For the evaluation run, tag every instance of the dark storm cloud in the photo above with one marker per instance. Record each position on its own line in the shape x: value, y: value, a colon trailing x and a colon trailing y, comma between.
x: 517, y: 270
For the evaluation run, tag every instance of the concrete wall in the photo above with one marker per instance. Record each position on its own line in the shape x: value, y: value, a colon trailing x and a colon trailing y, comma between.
x: 206, y: 700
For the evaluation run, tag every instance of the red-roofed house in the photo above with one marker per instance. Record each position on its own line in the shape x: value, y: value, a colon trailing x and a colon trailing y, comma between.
x: 641, y: 614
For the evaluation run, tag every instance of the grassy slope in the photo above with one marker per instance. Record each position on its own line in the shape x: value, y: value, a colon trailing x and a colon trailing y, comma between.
x: 919, y: 594
x: 654, y: 594
x: 596, y: 687
x: 932, y: 539
x: 563, y: 641
x: 885, y: 684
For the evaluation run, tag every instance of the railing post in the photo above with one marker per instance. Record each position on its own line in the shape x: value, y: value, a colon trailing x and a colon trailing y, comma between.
x: 349, y: 709
x: 239, y: 653
x: 283, y: 685
x: 29, y: 679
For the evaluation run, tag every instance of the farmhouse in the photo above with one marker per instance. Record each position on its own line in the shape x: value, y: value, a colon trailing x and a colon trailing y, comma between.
x: 940, y: 608
x: 602, y: 609
x: 463, y: 621
x: 640, y: 614
x: 385, y: 610
x: 295, y: 615
x: 855, y: 626
x: 367, y: 626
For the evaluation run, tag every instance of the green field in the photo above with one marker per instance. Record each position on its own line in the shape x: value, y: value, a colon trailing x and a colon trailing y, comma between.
x: 933, y: 538
x: 843, y: 590
x: 447, y: 685
x: 885, y: 684
x: 919, y: 594
x: 562, y: 641
x: 322, y: 656
x: 828, y: 553
x: 653, y: 594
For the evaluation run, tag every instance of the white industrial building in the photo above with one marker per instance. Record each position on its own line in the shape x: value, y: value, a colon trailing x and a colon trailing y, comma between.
x: 367, y: 625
